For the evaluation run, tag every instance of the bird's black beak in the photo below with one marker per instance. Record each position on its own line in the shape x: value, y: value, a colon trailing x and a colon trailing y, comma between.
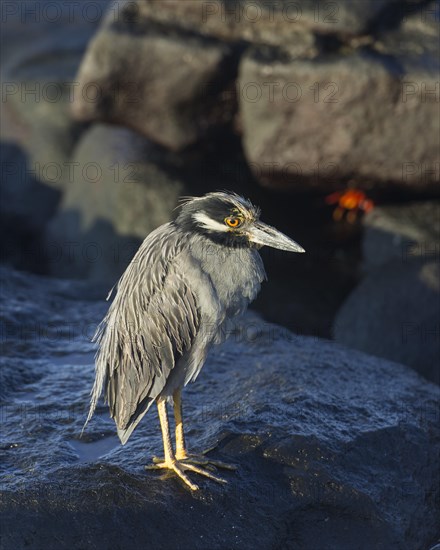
x: 265, y: 235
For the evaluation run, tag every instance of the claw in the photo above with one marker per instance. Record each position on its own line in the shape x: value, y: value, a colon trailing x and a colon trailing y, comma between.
x: 179, y: 467
x: 203, y: 460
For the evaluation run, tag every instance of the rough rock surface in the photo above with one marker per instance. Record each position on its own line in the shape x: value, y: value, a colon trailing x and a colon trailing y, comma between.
x: 336, y: 449
x: 280, y: 24
x: 401, y: 232
x: 160, y: 82
x: 395, y: 313
x: 395, y: 310
x: 324, y: 121
x: 121, y: 190
x: 42, y: 46
x: 323, y: 92
x: 25, y: 206
x: 260, y: 20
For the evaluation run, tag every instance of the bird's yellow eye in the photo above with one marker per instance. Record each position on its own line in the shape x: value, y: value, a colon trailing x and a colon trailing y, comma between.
x: 232, y: 221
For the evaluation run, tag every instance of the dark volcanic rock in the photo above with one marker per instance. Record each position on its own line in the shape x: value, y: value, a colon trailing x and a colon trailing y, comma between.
x: 42, y: 47
x: 123, y: 189
x: 162, y: 83
x: 336, y: 449
x: 274, y: 22
x: 25, y: 206
x: 415, y: 44
x: 327, y: 120
x: 401, y: 232
x: 326, y: 92
x: 279, y: 24
x: 395, y: 311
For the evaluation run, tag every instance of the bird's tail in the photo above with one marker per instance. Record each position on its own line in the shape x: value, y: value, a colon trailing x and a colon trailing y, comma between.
x: 100, y: 373
x: 125, y: 433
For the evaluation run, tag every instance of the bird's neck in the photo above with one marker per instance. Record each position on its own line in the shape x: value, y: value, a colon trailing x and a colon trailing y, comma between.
x: 236, y: 272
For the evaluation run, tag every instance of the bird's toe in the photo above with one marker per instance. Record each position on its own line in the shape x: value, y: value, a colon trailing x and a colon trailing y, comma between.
x: 180, y: 471
x: 191, y: 463
x: 173, y: 466
x: 203, y: 460
x: 203, y: 472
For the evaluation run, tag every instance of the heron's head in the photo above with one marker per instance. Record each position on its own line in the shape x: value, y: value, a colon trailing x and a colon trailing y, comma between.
x: 232, y: 220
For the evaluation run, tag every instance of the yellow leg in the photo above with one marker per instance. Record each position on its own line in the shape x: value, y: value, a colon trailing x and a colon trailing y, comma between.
x: 181, y: 451
x: 180, y: 436
x: 163, y: 418
x: 171, y: 462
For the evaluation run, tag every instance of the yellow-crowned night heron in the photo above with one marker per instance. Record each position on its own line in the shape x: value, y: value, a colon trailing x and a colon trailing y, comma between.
x: 186, y: 281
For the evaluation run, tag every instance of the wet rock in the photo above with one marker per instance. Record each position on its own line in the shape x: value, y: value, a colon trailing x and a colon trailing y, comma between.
x: 121, y: 189
x: 338, y: 117
x: 163, y: 83
x: 335, y: 448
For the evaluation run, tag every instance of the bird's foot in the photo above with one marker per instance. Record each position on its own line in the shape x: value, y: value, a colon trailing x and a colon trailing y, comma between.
x: 203, y: 460
x: 179, y: 467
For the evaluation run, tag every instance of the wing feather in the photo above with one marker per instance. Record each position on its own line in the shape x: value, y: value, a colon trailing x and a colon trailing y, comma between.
x: 151, y: 322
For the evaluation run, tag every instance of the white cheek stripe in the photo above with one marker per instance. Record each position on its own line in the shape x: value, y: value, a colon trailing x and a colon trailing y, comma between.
x: 208, y: 223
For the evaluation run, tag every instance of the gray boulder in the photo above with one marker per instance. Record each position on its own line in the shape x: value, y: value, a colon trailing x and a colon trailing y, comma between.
x: 25, y: 206
x: 395, y: 313
x: 273, y: 22
x: 348, y: 112
x: 321, y: 122
x: 401, y: 232
x: 165, y: 84
x: 325, y: 92
x: 44, y: 44
x: 278, y: 24
x: 336, y: 449
x: 120, y: 190
x: 395, y: 310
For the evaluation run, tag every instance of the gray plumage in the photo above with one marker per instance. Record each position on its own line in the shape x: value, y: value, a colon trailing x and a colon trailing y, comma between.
x: 183, y: 286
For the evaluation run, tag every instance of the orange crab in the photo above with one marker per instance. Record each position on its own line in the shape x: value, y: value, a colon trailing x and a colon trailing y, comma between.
x: 349, y: 202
